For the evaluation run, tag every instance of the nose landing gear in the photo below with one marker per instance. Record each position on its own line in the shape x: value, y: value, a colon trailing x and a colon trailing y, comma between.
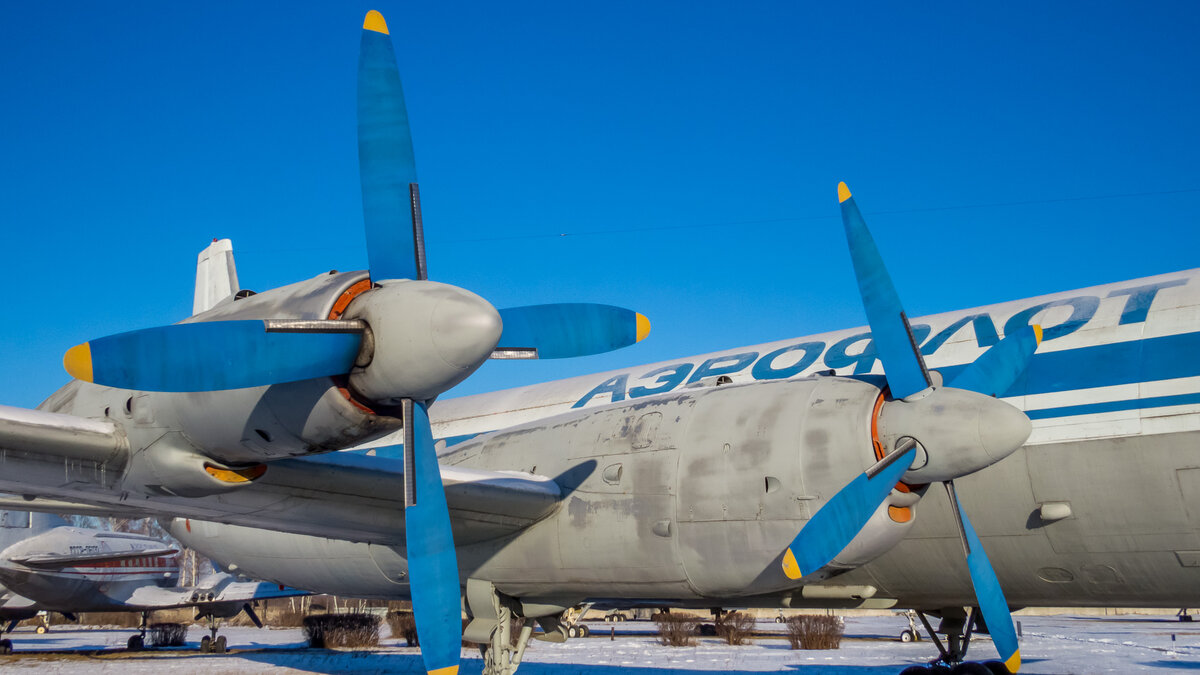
x: 958, y: 627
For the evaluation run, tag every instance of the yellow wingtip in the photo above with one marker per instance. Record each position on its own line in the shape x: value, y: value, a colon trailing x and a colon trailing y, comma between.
x: 643, y: 327
x: 1037, y: 333
x: 1014, y: 662
x: 375, y: 22
x: 78, y: 362
x: 843, y: 192
x: 790, y: 567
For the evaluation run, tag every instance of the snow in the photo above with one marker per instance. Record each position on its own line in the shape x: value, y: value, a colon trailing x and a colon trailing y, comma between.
x: 1051, y: 645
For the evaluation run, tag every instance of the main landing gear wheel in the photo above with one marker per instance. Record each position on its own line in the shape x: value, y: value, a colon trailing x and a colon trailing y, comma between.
x: 907, y: 635
x: 205, y: 644
x: 997, y: 668
x: 219, y: 645
x: 135, y: 644
x: 6, y: 647
x: 971, y: 668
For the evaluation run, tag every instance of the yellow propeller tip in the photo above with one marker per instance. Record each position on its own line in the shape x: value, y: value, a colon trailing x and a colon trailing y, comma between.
x: 1014, y: 662
x: 448, y: 670
x: 843, y: 192
x: 375, y: 22
x: 790, y: 567
x: 643, y: 327
x: 78, y: 362
x: 1037, y: 333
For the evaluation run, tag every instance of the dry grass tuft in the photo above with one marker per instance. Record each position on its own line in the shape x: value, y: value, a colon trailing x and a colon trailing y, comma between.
x: 736, y: 627
x: 351, y: 631
x: 676, y: 630
x: 810, y: 631
x: 166, y: 634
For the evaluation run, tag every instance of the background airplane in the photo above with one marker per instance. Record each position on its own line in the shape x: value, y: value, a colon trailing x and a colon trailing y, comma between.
x: 47, y: 565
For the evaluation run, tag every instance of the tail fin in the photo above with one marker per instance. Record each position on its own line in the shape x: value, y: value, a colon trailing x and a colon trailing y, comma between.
x: 216, y: 275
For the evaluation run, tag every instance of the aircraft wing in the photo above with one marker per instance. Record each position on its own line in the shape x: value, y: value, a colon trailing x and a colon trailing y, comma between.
x: 52, y: 460
x: 58, y: 561
x: 215, y: 588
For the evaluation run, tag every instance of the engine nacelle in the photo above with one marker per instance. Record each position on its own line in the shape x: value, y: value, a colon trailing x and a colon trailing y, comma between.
x: 172, y: 466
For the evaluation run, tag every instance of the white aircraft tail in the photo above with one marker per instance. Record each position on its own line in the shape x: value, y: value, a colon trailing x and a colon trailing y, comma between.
x: 216, y: 275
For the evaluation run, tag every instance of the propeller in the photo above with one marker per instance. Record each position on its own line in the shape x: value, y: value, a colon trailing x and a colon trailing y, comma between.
x: 403, y: 342
x: 962, y: 428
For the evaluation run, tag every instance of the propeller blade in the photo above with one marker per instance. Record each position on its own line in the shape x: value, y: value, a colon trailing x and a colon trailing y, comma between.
x: 997, y: 369
x: 252, y: 615
x: 214, y: 355
x: 894, y: 343
x: 432, y: 562
x: 987, y: 589
x: 833, y: 527
x: 563, y: 330
x: 387, y: 168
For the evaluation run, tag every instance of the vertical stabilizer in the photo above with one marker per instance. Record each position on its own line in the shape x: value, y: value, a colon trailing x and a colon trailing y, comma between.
x: 216, y: 275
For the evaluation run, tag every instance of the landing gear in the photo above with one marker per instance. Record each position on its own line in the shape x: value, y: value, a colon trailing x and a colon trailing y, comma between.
x: 1183, y: 615
x: 213, y: 643
x: 958, y: 626
x: 502, y: 632
x: 912, y: 633
x: 6, y: 647
x: 138, y: 642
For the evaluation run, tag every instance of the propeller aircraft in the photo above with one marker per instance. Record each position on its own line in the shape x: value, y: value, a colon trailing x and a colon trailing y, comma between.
x: 300, y: 435
x: 47, y: 565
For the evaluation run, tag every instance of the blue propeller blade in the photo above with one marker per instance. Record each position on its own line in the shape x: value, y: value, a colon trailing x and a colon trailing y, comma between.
x: 385, y: 159
x: 902, y: 362
x: 432, y: 563
x: 997, y: 369
x: 987, y: 591
x: 564, y: 330
x: 210, y: 356
x: 828, y: 532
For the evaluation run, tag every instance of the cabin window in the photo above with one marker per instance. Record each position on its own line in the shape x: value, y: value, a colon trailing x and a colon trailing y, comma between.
x: 14, y: 519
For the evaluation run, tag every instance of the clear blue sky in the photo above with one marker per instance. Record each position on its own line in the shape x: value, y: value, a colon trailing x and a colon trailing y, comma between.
x: 688, y: 151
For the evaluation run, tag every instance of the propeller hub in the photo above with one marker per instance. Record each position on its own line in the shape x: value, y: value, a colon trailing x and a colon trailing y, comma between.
x: 961, y: 431
x: 426, y: 337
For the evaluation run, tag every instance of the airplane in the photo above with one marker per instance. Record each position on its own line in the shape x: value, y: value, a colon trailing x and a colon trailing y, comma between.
x: 47, y: 565
x: 792, y: 474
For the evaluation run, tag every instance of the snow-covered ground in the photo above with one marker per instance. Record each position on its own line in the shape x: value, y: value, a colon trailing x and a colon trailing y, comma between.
x: 1051, y: 645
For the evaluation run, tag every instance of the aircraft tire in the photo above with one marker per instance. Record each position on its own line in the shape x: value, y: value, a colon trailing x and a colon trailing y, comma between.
x: 907, y: 635
x: 970, y: 668
x: 205, y: 644
x: 40, y: 630
x: 584, y: 631
x: 997, y: 668
x: 573, y: 631
x: 779, y: 619
x: 135, y: 644
x: 220, y: 646
x: 6, y: 647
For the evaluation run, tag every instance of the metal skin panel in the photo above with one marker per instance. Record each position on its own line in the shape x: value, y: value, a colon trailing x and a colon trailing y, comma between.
x: 805, y: 433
